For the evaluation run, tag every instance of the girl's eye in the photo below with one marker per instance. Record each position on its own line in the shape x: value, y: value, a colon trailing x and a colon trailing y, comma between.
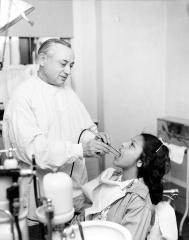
x: 131, y: 144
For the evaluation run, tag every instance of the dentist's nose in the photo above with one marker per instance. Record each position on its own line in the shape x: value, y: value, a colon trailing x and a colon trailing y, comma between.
x: 67, y: 69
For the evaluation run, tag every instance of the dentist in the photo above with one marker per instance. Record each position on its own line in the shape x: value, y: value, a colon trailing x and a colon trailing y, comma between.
x: 45, y: 117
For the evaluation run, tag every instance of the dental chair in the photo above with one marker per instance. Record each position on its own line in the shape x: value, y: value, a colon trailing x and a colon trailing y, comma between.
x: 164, y: 224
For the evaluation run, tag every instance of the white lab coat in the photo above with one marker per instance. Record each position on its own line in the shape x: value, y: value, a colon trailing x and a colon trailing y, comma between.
x: 46, y: 120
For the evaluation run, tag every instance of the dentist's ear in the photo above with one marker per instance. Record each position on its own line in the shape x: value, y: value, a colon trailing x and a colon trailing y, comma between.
x: 139, y: 163
x: 42, y: 59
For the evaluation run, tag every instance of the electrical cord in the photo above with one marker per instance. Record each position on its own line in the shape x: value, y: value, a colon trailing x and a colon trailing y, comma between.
x: 81, y: 230
x: 78, y: 141
x: 14, y: 205
x: 18, y: 227
x: 37, y: 199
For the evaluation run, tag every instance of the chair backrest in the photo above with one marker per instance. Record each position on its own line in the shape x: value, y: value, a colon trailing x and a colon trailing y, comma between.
x: 165, y: 224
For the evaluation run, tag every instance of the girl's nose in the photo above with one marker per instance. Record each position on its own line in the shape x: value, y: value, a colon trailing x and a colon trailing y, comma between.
x: 124, y: 144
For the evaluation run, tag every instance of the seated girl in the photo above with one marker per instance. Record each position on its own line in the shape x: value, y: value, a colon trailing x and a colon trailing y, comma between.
x: 126, y: 196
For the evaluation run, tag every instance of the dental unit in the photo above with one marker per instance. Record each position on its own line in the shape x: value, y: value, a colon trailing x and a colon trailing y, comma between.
x: 55, y: 210
x: 13, y: 224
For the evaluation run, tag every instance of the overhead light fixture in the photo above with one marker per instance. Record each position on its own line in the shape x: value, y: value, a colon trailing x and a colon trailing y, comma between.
x: 11, y: 11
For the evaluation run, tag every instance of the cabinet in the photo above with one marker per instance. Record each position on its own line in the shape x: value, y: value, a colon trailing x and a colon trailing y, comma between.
x: 176, y: 131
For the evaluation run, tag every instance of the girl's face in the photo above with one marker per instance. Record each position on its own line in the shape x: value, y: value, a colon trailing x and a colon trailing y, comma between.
x: 130, y: 153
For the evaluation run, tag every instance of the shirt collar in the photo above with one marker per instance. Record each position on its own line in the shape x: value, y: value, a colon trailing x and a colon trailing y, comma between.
x: 113, y: 177
x: 51, y: 89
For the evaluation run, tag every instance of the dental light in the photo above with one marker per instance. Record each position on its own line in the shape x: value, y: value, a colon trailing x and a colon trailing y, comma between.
x: 11, y: 11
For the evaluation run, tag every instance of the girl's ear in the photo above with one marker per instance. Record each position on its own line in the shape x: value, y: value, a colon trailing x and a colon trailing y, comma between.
x: 139, y: 163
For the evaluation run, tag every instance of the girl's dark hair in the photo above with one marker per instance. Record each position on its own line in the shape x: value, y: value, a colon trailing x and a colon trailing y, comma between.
x: 155, y: 164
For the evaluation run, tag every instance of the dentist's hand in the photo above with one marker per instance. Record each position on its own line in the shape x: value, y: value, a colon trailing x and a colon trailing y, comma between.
x: 104, y: 137
x: 95, y: 148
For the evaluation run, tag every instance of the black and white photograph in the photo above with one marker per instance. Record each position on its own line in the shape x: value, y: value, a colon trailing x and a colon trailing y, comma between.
x: 94, y: 119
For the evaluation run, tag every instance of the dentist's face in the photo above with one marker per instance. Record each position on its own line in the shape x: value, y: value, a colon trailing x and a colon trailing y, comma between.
x: 130, y: 153
x: 57, y: 64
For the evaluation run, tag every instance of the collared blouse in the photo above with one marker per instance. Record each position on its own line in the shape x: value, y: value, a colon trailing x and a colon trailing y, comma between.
x: 130, y: 206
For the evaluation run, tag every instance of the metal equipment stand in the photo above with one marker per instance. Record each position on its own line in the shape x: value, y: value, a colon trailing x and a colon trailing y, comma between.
x: 187, y: 199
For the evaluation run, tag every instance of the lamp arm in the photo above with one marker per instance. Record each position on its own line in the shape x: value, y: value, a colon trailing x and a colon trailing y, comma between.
x: 22, y: 13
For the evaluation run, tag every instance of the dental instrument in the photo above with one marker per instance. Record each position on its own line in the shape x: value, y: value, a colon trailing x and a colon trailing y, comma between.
x: 113, y: 150
x: 116, y: 153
